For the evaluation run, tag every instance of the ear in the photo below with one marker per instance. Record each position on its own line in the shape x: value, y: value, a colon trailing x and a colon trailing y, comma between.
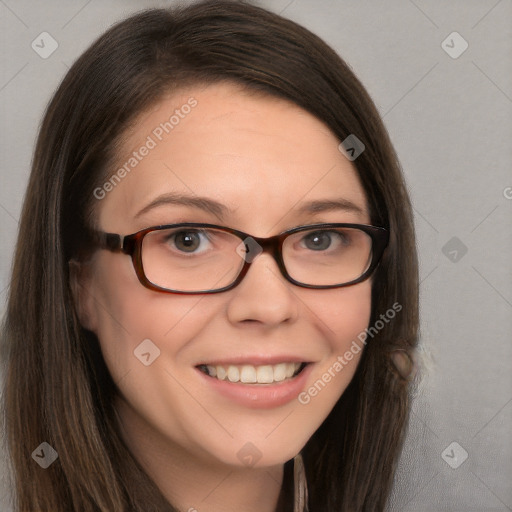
x: 80, y: 283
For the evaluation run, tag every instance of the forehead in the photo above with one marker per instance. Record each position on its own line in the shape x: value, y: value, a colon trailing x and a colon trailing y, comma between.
x: 258, y: 155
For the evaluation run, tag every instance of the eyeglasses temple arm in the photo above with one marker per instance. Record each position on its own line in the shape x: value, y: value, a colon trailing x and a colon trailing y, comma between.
x: 109, y: 241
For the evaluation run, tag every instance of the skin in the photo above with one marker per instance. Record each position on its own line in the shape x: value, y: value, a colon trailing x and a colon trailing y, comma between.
x: 262, y: 157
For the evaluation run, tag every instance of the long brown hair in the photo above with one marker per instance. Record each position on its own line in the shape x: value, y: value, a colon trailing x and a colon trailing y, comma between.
x: 57, y: 388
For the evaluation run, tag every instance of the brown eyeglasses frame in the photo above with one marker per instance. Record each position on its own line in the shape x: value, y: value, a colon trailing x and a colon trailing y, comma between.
x: 132, y: 246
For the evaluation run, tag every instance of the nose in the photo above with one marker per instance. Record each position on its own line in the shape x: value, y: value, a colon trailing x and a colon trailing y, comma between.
x: 263, y: 295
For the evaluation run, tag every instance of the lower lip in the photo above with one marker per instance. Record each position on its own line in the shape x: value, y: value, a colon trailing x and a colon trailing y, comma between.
x: 260, y: 396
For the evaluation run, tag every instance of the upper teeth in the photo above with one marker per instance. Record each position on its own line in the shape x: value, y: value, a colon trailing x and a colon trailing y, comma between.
x: 247, y: 373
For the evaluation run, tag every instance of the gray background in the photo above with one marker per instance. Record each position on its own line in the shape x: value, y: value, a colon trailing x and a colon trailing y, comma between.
x: 450, y: 120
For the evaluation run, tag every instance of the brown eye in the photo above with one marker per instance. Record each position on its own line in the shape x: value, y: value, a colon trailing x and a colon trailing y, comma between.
x: 322, y: 240
x: 187, y: 241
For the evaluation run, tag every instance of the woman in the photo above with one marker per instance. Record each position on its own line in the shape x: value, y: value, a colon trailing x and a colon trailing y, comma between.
x: 214, y: 297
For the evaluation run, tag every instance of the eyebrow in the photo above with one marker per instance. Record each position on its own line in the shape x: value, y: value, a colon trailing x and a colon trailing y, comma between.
x: 203, y: 203
x: 220, y: 210
x: 327, y: 205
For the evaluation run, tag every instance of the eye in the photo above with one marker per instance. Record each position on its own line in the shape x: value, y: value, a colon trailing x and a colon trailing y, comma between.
x: 322, y: 240
x: 188, y: 241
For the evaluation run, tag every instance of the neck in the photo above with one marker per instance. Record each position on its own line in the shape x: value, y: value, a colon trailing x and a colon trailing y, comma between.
x: 198, y: 484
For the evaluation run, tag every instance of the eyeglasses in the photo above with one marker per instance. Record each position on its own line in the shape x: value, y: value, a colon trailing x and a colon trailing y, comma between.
x: 193, y: 258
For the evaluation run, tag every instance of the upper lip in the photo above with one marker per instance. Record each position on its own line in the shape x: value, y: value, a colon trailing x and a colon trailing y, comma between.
x: 254, y: 360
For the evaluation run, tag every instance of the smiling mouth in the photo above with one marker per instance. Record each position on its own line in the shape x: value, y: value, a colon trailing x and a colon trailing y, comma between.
x: 249, y: 374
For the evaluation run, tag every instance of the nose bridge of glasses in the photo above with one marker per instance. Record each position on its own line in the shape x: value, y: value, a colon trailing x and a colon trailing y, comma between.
x: 254, y: 246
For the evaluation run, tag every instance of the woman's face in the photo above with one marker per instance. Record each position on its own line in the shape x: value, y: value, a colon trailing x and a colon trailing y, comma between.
x: 263, y: 159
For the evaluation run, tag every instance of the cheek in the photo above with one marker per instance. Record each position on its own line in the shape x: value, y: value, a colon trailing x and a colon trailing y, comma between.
x: 128, y: 314
x: 142, y: 335
x: 343, y: 314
